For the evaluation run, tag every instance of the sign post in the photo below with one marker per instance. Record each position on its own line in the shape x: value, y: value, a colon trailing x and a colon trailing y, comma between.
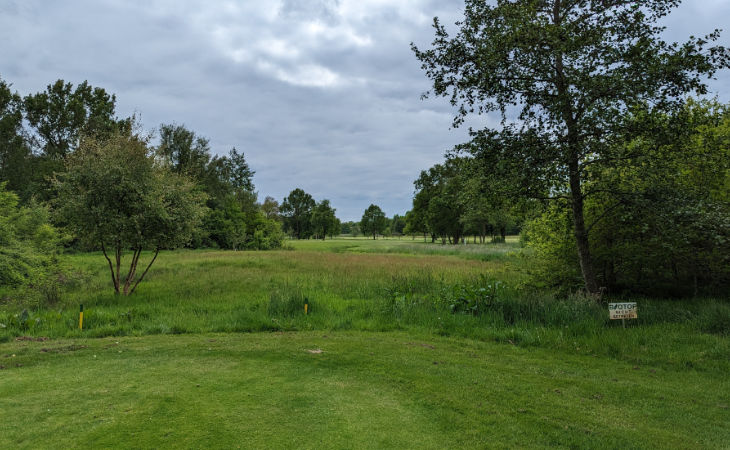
x: 622, y: 311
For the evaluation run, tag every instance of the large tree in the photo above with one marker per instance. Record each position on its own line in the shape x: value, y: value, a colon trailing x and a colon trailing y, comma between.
x: 116, y: 196
x: 570, y: 70
x: 373, y: 221
x: 61, y: 114
x: 324, y: 221
x: 270, y: 208
x: 187, y: 153
x: 437, y: 200
x: 58, y: 117
x: 296, y: 210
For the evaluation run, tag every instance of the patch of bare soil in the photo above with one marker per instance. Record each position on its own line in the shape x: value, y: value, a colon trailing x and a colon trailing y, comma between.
x: 69, y: 348
x: 31, y: 338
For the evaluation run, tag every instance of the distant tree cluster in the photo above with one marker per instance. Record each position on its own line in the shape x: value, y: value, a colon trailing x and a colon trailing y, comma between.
x: 234, y: 220
x: 304, y: 218
x: 455, y: 199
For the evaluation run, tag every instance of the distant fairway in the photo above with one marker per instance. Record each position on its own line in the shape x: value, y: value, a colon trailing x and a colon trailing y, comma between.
x: 379, y: 361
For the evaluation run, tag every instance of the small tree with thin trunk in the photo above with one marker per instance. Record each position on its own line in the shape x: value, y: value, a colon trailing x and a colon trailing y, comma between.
x: 117, y: 197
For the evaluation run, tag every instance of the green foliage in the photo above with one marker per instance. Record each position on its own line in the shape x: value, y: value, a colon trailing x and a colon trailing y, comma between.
x: 398, y: 225
x: 15, y: 154
x: 29, y: 249
x: 225, y: 227
x: 296, y: 210
x: 659, y: 226
x: 550, y: 237
x: 373, y: 221
x: 234, y: 220
x: 58, y: 118
x: 186, y: 153
x: 115, y: 195
x: 267, y: 234
x: 458, y: 197
x: 324, y: 222
x: 270, y: 208
x: 60, y: 115
x: 474, y: 299
x: 350, y: 228
x: 573, y: 72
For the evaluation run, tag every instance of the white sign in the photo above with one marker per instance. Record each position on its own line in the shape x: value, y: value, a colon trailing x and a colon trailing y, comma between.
x: 622, y: 311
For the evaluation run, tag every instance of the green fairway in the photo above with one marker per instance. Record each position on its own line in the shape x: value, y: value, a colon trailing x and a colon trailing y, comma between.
x: 362, y: 390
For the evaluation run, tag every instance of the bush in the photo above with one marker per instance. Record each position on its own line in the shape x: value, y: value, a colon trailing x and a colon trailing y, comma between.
x: 29, y: 249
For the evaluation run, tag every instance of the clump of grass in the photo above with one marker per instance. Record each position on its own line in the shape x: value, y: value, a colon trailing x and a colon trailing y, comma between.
x: 204, y: 291
x: 715, y: 319
x: 288, y: 302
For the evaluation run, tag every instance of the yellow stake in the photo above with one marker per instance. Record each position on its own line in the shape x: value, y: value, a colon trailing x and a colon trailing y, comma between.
x: 306, y: 307
x: 81, y: 317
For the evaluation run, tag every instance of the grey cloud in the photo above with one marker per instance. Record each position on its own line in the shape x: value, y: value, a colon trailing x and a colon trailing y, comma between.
x: 322, y: 95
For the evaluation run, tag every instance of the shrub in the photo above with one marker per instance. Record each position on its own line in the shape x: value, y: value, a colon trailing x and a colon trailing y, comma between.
x: 29, y: 249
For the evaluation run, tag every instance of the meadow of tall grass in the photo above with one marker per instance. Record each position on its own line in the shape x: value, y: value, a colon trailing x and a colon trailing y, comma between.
x: 473, y: 291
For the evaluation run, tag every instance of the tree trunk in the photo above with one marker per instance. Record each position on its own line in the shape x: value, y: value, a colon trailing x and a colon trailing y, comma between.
x: 118, y: 256
x: 132, y: 270
x: 115, y: 282
x: 157, y: 251
x: 581, y: 234
x: 573, y: 158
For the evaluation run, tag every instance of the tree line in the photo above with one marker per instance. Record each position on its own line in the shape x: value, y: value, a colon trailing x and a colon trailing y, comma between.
x: 74, y: 175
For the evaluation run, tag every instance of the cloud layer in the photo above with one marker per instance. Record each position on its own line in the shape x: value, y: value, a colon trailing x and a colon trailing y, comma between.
x: 319, y: 94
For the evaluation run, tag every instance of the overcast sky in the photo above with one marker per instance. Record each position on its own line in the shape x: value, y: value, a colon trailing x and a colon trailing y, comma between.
x: 323, y: 95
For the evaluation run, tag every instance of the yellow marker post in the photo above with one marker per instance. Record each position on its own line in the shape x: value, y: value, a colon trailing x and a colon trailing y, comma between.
x: 81, y: 317
x: 306, y: 308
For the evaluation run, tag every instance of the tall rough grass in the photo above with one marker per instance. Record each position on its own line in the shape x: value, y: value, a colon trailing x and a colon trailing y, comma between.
x: 453, y: 295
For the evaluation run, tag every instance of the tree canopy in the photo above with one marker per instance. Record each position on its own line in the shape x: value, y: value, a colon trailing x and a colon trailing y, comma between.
x: 373, y: 221
x: 572, y: 71
x: 324, y: 221
x: 297, y: 209
x: 116, y: 196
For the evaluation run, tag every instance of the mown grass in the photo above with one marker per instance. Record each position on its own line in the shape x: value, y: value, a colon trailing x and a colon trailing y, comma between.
x: 346, y: 390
